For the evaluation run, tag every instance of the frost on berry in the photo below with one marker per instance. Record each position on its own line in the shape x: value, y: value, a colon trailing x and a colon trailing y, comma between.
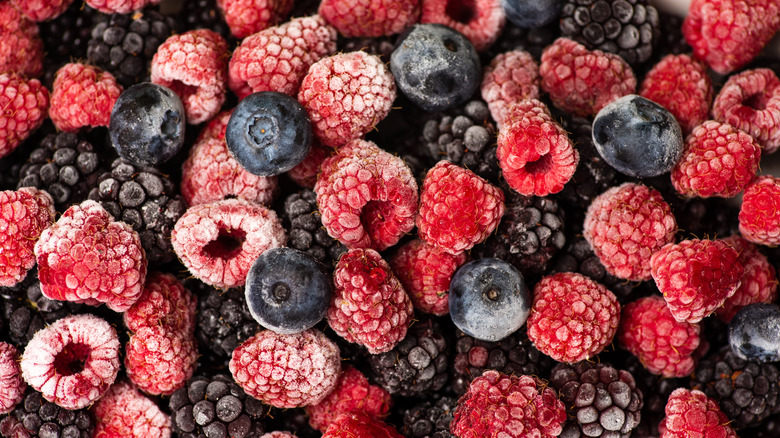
x: 25, y: 103
x: 24, y: 214
x: 160, y: 360
x: 21, y: 48
x: 119, y: 6
x: 511, y: 77
x: 759, y: 282
x: 82, y: 96
x: 126, y: 413
x: 246, y: 17
x: 759, y: 216
x: 370, y: 18
x: 164, y: 302
x: 12, y: 385
x: 480, y: 21
x: 305, y: 173
x: 41, y: 11
x: 691, y: 413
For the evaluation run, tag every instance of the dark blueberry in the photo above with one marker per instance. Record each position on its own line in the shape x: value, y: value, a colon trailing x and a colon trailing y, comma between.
x: 147, y: 124
x: 530, y: 14
x: 269, y: 133
x: 435, y: 66
x: 489, y: 299
x: 287, y: 290
x: 754, y: 332
x: 638, y: 137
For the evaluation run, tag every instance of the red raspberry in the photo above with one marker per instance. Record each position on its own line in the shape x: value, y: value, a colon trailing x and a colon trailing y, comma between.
x: 368, y: 306
x: 425, y: 272
x: 305, y: 173
x: 691, y: 413
x: 24, y: 214
x: 682, y: 85
x: 246, y: 17
x: 164, y: 302
x: 510, y: 77
x: 534, y: 152
x: 159, y: 360
x: 572, y: 318
x: 216, y: 127
x: 119, y: 6
x: 194, y: 65
x: 21, y: 48
x: 696, y: 276
x: 481, y: 21
x: 87, y: 257
x: 625, y: 225
x: 278, y: 434
x: 219, y: 241
x: 41, y: 10
x: 367, y: 197
x: 508, y: 406
x: 759, y: 282
x: 458, y: 209
x: 359, y: 424
x: 759, y: 215
x: 750, y: 101
x: 278, y: 58
x: 352, y: 393
x: 370, y: 18
x: 73, y: 361
x: 346, y: 95
x: 717, y: 160
x: 25, y: 104
x: 12, y: 385
x: 582, y: 81
x: 287, y: 371
x: 126, y: 413
x: 662, y: 344
x: 82, y: 95
x: 727, y: 34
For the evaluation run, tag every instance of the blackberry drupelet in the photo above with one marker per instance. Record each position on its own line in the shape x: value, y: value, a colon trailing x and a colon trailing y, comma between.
x: 305, y: 231
x: 430, y: 419
x: 145, y: 199
x: 204, y: 14
x: 380, y: 46
x: 65, y: 38
x: 35, y: 417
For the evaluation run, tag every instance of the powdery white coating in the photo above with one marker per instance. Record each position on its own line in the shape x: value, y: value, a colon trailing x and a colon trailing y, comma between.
x: 759, y: 282
x: 370, y: 18
x: 41, y: 10
x: 24, y: 214
x: 219, y: 241
x: 691, y: 413
x: 246, y: 17
x: 216, y: 127
x: 119, y: 6
x: 25, y: 103
x: 12, y: 385
x: 481, y: 21
x: 164, y: 302
x: 287, y: 371
x: 759, y: 216
x: 85, y: 338
x: 21, y: 48
x: 82, y: 95
x: 160, y: 359
x: 511, y: 77
x: 126, y: 413
x: 346, y: 95
x: 305, y: 173
x: 278, y: 434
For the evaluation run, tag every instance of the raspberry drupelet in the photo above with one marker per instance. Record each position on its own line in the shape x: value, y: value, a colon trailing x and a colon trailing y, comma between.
x: 481, y: 21
x: 359, y: 424
x: 21, y: 48
x: 247, y: 17
x: 511, y: 77
x: 119, y: 6
x: 12, y: 385
x: 82, y: 96
x: 370, y: 18
x: 759, y: 215
x: 126, y: 413
x: 759, y: 282
x: 692, y: 413
x: 25, y: 103
x: 24, y: 214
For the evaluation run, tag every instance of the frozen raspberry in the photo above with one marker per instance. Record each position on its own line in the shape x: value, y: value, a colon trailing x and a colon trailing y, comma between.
x: 159, y: 359
x: 662, y: 344
x: 510, y: 406
x: 305, y: 173
x: 691, y: 413
x: 727, y: 34
x: 219, y: 241
x: 82, y: 95
x: 119, y: 6
x: 346, y: 95
x: 12, y: 385
x: 216, y: 127
x: 278, y: 58
x: 278, y: 434
x: 535, y: 153
x: 682, y: 85
x: 164, y: 302
x: 370, y: 18
x: 582, y: 81
x: 352, y: 393
x: 246, y: 17
x: 21, y: 48
x: 481, y: 21
x: 367, y: 197
x: 126, y: 413
x: 425, y: 272
x: 41, y: 10
x: 750, y: 101
x: 759, y: 215
x: 287, y: 371
x: 759, y: 282
x: 573, y: 318
x: 696, y: 276
x: 510, y: 77
x: 87, y: 257
x: 25, y: 103
x: 194, y: 66
x: 368, y: 306
x: 73, y: 361
x: 24, y: 214
x: 717, y: 160
x: 359, y: 424
x: 458, y: 209
x: 625, y: 225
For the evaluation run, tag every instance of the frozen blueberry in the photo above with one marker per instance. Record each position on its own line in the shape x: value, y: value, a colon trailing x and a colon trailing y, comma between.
x: 489, y: 299
x: 435, y: 66
x: 269, y: 133
x: 287, y: 291
x: 147, y: 124
x: 754, y: 332
x: 530, y: 14
x: 638, y: 137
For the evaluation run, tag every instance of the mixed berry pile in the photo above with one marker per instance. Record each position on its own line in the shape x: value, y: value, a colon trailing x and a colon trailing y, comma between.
x: 388, y: 218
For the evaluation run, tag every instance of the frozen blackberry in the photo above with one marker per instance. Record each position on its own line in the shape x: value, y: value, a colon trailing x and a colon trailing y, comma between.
x: 146, y: 200
x: 417, y: 366
x: 305, y: 231
x: 430, y: 419
x: 35, y: 417
x: 629, y: 28
x: 65, y: 38
x: 216, y: 407
x: 204, y: 14
x: 533, y: 41
x: 380, y: 46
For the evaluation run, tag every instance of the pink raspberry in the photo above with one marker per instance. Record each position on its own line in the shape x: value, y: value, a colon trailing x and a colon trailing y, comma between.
x: 25, y: 104
x: 287, y: 371
x: 87, y: 257
x: 367, y: 197
x: 368, y: 306
x: 246, y: 17
x: 481, y: 21
x: 218, y: 242
x: 24, y: 214
x: 759, y: 282
x: 12, y: 385
x: 216, y: 127
x: 346, y: 95
x: 159, y: 359
x: 359, y: 424
x: 370, y: 18
x: 278, y: 434
x: 691, y: 413
x: 82, y: 95
x: 21, y: 48
x: 119, y: 6
x: 164, y: 302
x: 41, y: 10
x: 73, y: 361
x: 305, y: 173
x: 511, y: 77
x: 194, y: 65
x: 278, y: 58
x: 126, y: 413
x: 759, y: 215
